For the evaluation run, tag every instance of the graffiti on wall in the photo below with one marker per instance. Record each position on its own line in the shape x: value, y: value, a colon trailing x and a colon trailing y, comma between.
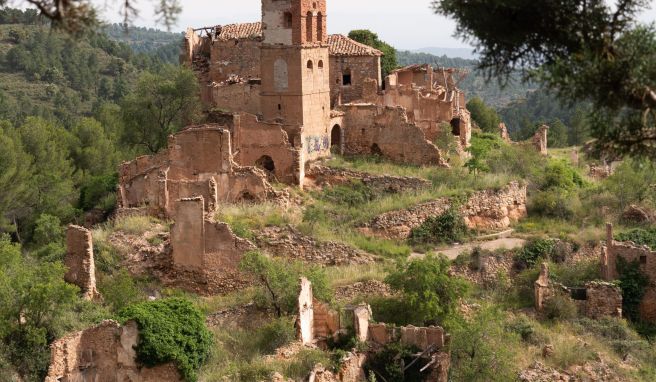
x: 317, y: 143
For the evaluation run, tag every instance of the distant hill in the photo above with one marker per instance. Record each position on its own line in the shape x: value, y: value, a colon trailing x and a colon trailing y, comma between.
x: 465, y: 53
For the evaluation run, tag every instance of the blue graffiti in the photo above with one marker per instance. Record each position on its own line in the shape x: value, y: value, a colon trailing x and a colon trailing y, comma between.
x: 317, y: 143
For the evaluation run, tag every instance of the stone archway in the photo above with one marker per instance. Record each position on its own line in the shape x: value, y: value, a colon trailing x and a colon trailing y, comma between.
x: 336, y: 138
x: 375, y: 150
x: 455, y: 126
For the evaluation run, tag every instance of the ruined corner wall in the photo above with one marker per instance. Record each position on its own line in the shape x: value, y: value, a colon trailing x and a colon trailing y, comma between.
x: 207, y: 249
x: 237, y: 97
x: 104, y: 353
x: 489, y: 209
x: 197, y: 162
x: 255, y: 140
x: 631, y: 252
x: 540, y: 140
x: 79, y: 261
x: 361, y: 68
x: 370, y: 129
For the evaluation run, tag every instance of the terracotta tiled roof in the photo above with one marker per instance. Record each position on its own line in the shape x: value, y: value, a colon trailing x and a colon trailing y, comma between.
x: 341, y: 45
x: 241, y: 31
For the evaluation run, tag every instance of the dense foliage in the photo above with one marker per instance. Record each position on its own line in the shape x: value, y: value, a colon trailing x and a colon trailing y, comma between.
x: 639, y: 236
x: 449, y: 227
x: 633, y: 283
x: 486, y: 118
x: 170, y: 330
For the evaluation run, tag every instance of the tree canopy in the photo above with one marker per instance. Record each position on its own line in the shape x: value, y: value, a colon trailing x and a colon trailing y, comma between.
x: 364, y: 36
x: 583, y: 50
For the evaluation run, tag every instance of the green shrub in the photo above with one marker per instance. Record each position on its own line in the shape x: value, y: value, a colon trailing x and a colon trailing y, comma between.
x: 389, y: 363
x: 95, y: 190
x: 560, y: 307
x: 449, y: 227
x: 393, y: 310
x: 275, y: 334
x: 119, y: 290
x: 527, y: 330
x: 48, y: 230
x: 353, y: 194
x: 170, y: 330
x: 481, y: 146
x: 559, y: 174
x: 555, y: 203
x: 633, y: 283
x: 386, y: 248
x: 639, y: 236
x: 278, y: 281
x: 427, y: 287
x: 534, y: 252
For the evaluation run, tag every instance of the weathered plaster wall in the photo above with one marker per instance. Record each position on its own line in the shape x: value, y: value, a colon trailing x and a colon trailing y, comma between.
x: 234, y: 57
x: 104, y: 353
x: 237, y: 97
x: 385, y: 131
x: 360, y: 68
x: 79, y: 261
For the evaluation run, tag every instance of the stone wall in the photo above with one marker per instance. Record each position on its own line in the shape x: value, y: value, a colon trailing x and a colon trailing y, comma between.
x: 386, y: 131
x: 490, y: 209
x: 323, y: 176
x: 360, y: 69
x: 540, y: 140
x: 234, y: 57
x: 79, y: 261
x: 104, y: 353
x: 197, y: 162
x: 207, y: 249
x: 305, y: 313
x: 631, y: 252
x: 601, y: 299
x: 237, y: 97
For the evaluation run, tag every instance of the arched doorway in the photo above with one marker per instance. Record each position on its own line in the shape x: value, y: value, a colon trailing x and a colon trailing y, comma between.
x: 266, y: 163
x: 375, y: 150
x: 336, y: 139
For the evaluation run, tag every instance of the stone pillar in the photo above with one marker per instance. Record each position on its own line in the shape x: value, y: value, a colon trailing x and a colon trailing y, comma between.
x: 361, y: 317
x: 79, y: 261
x: 305, y: 313
x: 503, y: 132
x: 541, y: 285
x: 540, y: 139
x: 188, y: 233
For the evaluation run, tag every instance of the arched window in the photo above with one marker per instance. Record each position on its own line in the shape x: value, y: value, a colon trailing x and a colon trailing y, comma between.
x: 280, y: 75
x: 309, y: 27
x: 336, y: 137
x: 346, y: 77
x: 288, y: 20
x: 310, y: 65
x: 320, y: 27
x: 320, y: 64
x: 266, y: 163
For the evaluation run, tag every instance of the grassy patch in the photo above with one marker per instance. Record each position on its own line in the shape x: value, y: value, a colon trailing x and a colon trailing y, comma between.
x: 135, y: 225
x: 245, y: 218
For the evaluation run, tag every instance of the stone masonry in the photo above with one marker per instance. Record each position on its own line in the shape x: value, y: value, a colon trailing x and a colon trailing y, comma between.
x: 104, y: 353
x: 79, y: 261
x: 540, y: 140
x: 490, y: 209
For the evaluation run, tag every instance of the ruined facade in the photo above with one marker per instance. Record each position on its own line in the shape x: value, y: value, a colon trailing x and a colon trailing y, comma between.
x: 631, y: 252
x: 596, y: 300
x: 197, y: 162
x: 299, y: 90
x: 104, y: 353
x: 79, y: 262
x: 540, y: 140
x: 207, y: 251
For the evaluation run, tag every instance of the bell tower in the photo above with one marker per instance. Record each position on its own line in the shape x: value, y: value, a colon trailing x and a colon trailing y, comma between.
x: 295, y: 77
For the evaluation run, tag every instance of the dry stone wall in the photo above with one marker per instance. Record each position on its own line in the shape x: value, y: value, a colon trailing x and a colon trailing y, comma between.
x: 323, y: 176
x: 490, y: 209
x: 104, y: 353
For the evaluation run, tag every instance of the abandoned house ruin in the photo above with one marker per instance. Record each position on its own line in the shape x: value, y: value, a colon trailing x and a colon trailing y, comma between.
x: 596, y: 300
x: 317, y: 323
x: 299, y: 93
x: 631, y: 252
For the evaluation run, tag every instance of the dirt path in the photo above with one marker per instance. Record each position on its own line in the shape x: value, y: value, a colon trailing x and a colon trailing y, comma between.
x: 492, y: 245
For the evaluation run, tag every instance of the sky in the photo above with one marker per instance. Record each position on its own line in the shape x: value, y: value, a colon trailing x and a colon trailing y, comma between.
x: 407, y: 24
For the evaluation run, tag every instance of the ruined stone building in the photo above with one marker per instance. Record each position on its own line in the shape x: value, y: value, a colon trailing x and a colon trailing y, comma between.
x: 290, y: 93
x: 631, y: 252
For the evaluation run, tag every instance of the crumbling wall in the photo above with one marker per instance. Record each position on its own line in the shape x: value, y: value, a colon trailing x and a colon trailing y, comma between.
x: 237, y: 97
x: 207, y: 251
x: 305, y: 313
x: 104, y: 353
x: 600, y: 299
x: 489, y: 209
x: 197, y: 162
x: 385, y: 131
x: 79, y: 261
x: 503, y: 132
x: 360, y: 69
x: 235, y: 57
x: 540, y: 140
x: 324, y: 176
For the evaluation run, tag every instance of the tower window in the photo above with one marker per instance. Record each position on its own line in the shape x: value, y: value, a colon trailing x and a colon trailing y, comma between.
x: 310, y: 65
x: 288, y: 20
x: 279, y: 107
x: 309, y: 28
x: 320, y: 27
x: 346, y: 78
x: 320, y: 64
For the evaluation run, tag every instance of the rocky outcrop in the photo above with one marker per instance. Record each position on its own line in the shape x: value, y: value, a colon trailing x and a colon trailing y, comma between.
x: 489, y: 209
x: 362, y: 289
x: 637, y: 215
x: 104, y: 353
x: 289, y: 243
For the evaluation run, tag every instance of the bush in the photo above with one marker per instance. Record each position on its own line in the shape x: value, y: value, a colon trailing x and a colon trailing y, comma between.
x: 427, y: 287
x: 560, y: 307
x: 95, y: 190
x: 639, y: 236
x: 481, y: 146
x: 633, y: 283
x: 278, y: 281
x: 390, y: 361
x: 555, y: 203
x: 449, y: 228
x: 275, y: 334
x: 170, y: 330
x: 527, y: 330
x: 119, y: 290
x: 48, y: 230
x: 534, y: 252
x: 353, y: 194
